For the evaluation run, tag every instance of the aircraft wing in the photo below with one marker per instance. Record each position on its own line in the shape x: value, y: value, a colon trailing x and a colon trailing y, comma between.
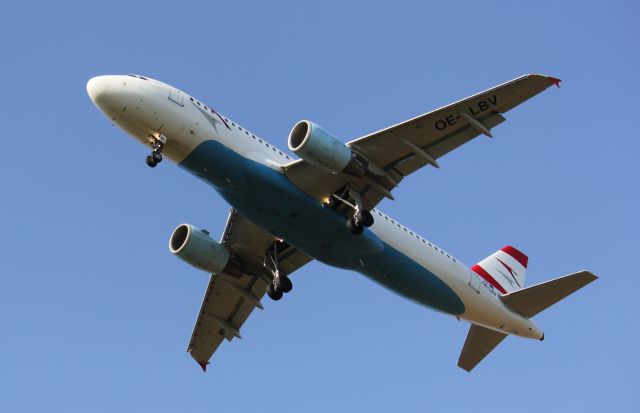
x: 397, y: 151
x: 229, y: 299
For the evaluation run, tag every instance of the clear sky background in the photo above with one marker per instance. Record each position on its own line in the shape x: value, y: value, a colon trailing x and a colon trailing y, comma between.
x: 96, y: 314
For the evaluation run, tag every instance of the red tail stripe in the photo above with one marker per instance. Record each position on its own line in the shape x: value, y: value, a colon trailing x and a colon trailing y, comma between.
x: 517, y: 255
x: 481, y: 272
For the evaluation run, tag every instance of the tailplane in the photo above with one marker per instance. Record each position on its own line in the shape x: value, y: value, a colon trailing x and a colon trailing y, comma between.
x: 532, y: 300
x: 526, y: 302
x: 480, y: 341
x: 505, y: 269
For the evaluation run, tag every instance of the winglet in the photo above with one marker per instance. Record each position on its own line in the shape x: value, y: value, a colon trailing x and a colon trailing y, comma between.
x: 203, y: 365
x: 555, y: 81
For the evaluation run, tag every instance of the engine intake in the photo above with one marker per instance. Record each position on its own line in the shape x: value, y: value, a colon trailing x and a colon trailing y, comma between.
x: 197, y: 248
x: 318, y: 147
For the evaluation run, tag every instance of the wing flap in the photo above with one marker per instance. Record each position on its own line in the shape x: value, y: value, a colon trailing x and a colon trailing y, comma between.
x: 447, y: 143
x: 479, y: 343
x: 223, y: 312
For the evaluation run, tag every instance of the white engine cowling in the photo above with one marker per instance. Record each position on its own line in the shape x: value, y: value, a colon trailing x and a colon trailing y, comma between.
x: 197, y: 248
x: 318, y: 147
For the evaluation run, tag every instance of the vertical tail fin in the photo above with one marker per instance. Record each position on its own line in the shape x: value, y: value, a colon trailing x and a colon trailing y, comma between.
x: 505, y: 269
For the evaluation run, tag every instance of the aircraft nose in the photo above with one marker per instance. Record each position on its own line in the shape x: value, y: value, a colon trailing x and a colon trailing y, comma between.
x: 98, y: 88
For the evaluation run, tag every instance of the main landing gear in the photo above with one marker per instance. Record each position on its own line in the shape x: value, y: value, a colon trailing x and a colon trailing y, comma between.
x: 281, y: 284
x: 157, y: 144
x: 361, y: 218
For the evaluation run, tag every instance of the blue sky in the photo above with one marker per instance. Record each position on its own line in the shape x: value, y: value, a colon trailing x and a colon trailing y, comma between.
x: 96, y: 313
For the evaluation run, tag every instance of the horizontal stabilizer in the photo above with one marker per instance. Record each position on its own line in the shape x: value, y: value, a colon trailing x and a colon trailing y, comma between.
x: 480, y: 341
x: 532, y: 300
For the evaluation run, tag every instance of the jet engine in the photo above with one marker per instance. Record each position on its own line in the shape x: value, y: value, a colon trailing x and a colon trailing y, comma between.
x: 318, y: 147
x: 197, y: 248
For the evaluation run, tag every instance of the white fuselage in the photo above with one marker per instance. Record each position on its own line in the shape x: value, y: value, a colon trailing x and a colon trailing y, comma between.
x: 146, y: 108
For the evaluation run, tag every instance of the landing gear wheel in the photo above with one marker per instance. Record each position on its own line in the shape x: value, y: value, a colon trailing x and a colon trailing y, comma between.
x: 354, y: 228
x: 157, y: 145
x: 157, y: 156
x: 274, y: 294
x: 284, y: 284
x: 151, y: 162
x: 364, y: 217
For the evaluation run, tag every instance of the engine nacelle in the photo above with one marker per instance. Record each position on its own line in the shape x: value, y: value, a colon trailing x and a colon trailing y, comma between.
x: 318, y: 147
x: 197, y: 248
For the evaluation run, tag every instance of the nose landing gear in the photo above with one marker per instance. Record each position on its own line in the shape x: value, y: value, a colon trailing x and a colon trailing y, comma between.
x: 157, y: 144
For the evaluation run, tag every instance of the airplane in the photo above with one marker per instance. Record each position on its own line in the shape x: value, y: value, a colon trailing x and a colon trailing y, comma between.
x: 286, y: 212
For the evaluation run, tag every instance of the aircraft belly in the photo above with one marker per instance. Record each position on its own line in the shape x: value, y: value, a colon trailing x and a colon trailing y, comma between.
x: 401, y: 274
x: 270, y: 200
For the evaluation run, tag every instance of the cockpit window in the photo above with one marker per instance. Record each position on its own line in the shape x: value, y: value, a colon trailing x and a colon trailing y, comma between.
x: 142, y: 77
x: 132, y: 75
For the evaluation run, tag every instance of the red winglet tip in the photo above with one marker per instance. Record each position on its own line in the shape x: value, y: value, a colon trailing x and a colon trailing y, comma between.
x: 204, y: 366
x: 555, y: 81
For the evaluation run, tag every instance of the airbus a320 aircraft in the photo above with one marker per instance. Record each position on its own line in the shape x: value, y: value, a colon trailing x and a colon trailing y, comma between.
x: 286, y: 212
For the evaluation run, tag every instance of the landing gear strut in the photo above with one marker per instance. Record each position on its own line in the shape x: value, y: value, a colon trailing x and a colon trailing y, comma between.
x: 281, y: 284
x: 157, y: 144
x: 361, y: 218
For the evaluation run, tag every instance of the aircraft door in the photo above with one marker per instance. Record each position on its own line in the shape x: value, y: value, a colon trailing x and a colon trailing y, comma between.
x: 474, y: 281
x: 176, y: 96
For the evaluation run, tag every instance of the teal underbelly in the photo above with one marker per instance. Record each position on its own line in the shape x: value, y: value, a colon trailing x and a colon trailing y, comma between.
x: 401, y: 274
x: 270, y: 200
